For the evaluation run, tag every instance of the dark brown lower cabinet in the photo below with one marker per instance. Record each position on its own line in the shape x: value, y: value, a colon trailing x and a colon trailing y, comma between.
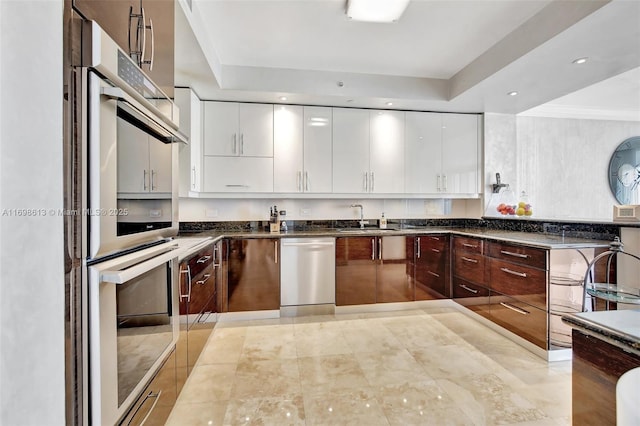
x: 596, y: 367
x: 432, y: 267
x: 528, y: 322
x: 374, y: 270
x: 253, y: 278
x: 471, y: 295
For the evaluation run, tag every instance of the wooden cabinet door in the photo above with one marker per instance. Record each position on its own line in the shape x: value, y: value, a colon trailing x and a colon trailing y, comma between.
x: 386, y: 152
x: 432, y: 267
x: 220, y: 128
x: 318, y: 122
x: 460, y: 154
x: 350, y: 151
x: 254, y: 275
x: 355, y: 270
x: 288, y: 149
x: 423, y: 152
x: 394, y: 277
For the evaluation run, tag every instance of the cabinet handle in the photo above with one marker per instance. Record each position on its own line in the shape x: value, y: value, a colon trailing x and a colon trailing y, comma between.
x: 373, y: 249
x: 466, y: 259
x: 438, y: 183
x: 380, y: 248
x: 153, y: 46
x: 153, y: 406
x: 299, y: 181
x: 144, y: 179
x: 435, y: 250
x: 372, y: 182
x: 235, y: 144
x: 236, y: 185
x: 206, y: 278
x: 193, y: 177
x: 516, y: 273
x: 275, y: 250
x: 434, y: 274
x: 469, y: 289
x: 435, y: 238
x: 241, y: 143
x: 510, y: 253
x: 444, y: 183
x: 153, y: 180
x: 366, y: 182
x: 188, y: 295
x: 469, y: 245
x: 515, y: 308
x: 204, y: 259
x: 418, y: 244
x: 306, y: 181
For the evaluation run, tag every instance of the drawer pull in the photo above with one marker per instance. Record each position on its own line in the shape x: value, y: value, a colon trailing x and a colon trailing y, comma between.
x: 435, y: 250
x: 434, y: 274
x: 435, y: 238
x: 203, y: 259
x: 469, y: 289
x: 516, y: 273
x: 515, y: 308
x: 188, y: 294
x: 510, y: 253
x: 466, y: 259
x: 474, y: 246
x: 206, y: 278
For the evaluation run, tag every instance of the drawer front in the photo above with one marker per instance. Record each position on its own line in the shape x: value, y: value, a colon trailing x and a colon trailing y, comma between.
x: 520, y: 318
x: 434, y: 242
x: 201, y: 260
x: 522, y: 282
x: 534, y: 257
x: 473, y: 296
x: 472, y: 245
x: 469, y: 266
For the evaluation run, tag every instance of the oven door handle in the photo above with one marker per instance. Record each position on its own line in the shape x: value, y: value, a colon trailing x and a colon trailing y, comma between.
x: 125, y: 275
x: 117, y: 94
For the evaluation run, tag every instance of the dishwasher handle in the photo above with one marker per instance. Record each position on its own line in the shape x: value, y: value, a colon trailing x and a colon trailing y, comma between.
x: 299, y: 244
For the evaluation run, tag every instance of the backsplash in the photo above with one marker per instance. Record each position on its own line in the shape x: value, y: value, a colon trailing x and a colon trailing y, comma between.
x: 580, y: 230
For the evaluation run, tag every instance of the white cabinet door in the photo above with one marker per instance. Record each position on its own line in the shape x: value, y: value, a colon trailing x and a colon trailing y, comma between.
x: 423, y: 153
x: 238, y: 174
x: 386, y: 164
x: 288, y: 166
x: 190, y: 155
x: 317, y: 175
x: 460, y: 153
x: 350, y: 150
x: 160, y: 166
x: 256, y: 130
x: 133, y: 159
x: 220, y: 135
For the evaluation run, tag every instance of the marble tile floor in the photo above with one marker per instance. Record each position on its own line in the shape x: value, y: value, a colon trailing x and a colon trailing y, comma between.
x: 431, y: 366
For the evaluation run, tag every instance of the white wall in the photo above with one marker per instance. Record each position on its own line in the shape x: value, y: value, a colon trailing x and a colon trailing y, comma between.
x: 251, y: 209
x: 32, y: 365
x: 561, y: 163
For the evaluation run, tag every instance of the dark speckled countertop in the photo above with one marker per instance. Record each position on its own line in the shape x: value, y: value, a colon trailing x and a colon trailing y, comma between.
x: 546, y: 241
x: 620, y: 328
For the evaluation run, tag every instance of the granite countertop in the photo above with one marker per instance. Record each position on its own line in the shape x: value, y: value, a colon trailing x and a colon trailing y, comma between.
x: 620, y: 328
x: 545, y: 241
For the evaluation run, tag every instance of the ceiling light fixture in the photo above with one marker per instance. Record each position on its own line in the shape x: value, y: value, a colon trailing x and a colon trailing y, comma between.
x: 376, y: 10
x: 389, y: 103
x: 283, y: 98
x: 580, y: 61
x: 512, y: 93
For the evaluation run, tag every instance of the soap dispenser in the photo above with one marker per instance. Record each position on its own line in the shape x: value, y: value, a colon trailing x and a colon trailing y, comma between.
x: 383, y: 222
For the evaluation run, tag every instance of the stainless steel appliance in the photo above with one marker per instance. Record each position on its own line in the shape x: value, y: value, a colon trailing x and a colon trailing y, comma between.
x: 132, y: 167
x: 307, y: 275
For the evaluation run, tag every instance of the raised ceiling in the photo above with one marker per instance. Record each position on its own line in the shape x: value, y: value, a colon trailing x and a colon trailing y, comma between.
x: 441, y: 55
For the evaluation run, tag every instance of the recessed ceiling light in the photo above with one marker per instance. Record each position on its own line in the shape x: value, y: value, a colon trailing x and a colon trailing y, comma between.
x: 389, y: 103
x: 283, y: 98
x: 376, y: 10
x: 512, y: 93
x: 580, y: 61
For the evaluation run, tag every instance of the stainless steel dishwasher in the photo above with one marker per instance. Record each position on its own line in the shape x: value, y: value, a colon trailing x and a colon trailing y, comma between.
x: 307, y: 276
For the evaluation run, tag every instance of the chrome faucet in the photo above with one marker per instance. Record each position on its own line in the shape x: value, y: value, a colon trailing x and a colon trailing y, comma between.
x: 362, y: 221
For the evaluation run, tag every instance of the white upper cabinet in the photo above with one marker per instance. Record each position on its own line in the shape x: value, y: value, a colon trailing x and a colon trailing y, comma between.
x: 386, y: 152
x: 460, y: 153
x: 238, y: 174
x: 238, y: 129
x: 350, y: 150
x: 442, y: 153
x: 302, y: 149
x: 144, y: 163
x: 190, y: 155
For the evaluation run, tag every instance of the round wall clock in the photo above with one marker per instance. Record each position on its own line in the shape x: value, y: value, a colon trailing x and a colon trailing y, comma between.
x: 624, y: 171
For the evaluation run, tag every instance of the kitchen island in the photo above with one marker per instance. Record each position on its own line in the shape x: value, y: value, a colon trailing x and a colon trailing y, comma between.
x: 606, y: 345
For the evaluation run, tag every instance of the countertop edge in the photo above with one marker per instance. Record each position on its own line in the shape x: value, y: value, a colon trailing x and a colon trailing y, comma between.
x: 613, y: 336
